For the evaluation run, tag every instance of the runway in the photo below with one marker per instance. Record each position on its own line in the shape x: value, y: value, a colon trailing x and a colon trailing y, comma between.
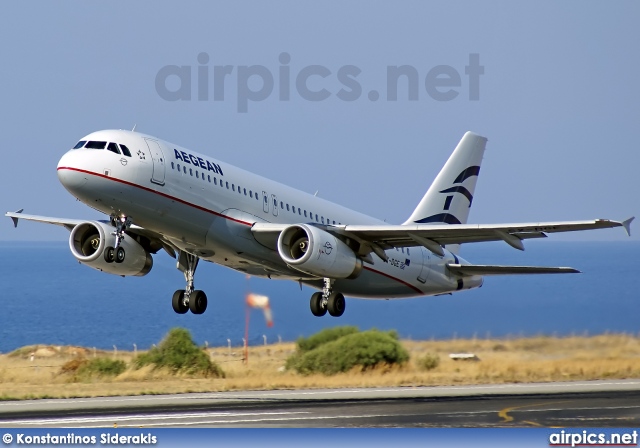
x: 571, y: 404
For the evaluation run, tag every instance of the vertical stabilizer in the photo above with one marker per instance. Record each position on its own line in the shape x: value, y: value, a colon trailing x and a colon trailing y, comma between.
x: 450, y: 196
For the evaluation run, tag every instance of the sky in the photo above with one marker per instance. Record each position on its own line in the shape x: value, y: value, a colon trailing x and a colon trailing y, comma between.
x: 554, y: 87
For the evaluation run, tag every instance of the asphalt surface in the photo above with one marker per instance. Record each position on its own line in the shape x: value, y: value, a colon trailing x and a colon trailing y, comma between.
x: 593, y: 404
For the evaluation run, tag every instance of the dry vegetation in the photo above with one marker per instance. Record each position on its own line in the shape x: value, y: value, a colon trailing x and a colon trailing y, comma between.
x: 501, y: 361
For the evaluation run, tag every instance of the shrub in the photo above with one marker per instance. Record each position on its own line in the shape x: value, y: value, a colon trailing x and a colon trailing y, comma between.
x: 83, y: 369
x: 428, y: 362
x: 324, y: 336
x: 178, y: 353
x: 73, y: 365
x: 102, y: 367
x: 365, y: 350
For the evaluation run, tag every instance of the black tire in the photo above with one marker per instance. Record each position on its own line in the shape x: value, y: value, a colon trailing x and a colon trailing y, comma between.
x: 198, y: 302
x: 336, y: 304
x: 120, y: 255
x: 178, y: 302
x: 316, y: 305
x: 109, y: 254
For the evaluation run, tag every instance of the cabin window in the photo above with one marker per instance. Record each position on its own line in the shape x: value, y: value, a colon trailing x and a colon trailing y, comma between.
x: 215, y: 181
x: 408, y: 251
x: 125, y: 150
x: 172, y: 166
x: 233, y: 187
x: 191, y: 171
x: 299, y: 211
x: 197, y: 176
x: 251, y: 194
x: 287, y: 207
x: 245, y: 191
x: 322, y: 219
x: 305, y: 213
x: 316, y: 217
x: 80, y: 144
x: 227, y: 185
x: 209, y: 178
x: 293, y: 208
x: 184, y: 169
x: 95, y: 145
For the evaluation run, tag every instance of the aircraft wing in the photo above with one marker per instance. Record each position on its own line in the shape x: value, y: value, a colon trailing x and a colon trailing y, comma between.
x: 481, y: 269
x: 156, y: 239
x: 69, y: 224
x: 377, y: 238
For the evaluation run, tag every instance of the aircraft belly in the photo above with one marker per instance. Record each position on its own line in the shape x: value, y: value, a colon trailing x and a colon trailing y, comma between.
x: 236, y: 248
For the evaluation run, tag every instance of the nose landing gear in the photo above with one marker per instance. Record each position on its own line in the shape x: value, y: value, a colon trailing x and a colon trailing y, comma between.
x: 117, y: 253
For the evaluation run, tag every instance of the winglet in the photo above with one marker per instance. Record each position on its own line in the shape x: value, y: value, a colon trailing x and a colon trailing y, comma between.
x: 15, y: 218
x: 627, y: 225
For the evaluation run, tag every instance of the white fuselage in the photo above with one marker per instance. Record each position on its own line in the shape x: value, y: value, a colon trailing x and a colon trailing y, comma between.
x: 207, y: 207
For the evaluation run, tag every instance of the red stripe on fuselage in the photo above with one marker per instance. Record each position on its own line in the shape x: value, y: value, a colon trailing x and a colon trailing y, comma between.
x: 408, y: 285
x: 173, y: 198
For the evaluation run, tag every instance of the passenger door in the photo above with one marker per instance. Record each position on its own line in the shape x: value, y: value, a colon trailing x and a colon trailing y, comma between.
x: 157, y: 157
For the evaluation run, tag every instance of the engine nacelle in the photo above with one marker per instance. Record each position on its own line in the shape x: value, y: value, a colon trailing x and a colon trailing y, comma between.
x: 88, y: 241
x: 316, y: 252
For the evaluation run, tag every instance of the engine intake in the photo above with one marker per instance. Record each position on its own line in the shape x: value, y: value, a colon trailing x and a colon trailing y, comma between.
x: 88, y: 241
x: 313, y: 251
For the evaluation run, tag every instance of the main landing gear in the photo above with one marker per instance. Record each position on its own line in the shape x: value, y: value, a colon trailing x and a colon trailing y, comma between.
x: 189, y: 299
x: 117, y: 254
x: 327, y: 300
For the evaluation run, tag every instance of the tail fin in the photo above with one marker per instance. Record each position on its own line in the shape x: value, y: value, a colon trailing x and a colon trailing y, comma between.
x: 449, y: 198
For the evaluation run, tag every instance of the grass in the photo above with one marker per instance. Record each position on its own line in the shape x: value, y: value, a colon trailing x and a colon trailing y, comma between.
x: 535, y: 359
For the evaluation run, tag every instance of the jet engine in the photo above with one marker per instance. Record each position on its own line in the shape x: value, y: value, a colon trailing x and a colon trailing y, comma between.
x: 88, y: 241
x: 313, y: 251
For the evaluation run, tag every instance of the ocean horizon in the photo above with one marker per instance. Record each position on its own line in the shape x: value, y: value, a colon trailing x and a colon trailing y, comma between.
x: 49, y: 298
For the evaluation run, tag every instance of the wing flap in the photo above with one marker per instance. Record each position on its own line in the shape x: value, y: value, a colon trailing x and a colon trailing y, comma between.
x: 478, y: 269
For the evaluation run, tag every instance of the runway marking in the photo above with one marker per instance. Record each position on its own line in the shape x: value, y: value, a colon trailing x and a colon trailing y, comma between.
x: 257, y: 420
x: 504, y: 413
x: 146, y: 417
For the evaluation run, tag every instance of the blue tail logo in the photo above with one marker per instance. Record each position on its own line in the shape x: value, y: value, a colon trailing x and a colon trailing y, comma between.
x: 445, y: 217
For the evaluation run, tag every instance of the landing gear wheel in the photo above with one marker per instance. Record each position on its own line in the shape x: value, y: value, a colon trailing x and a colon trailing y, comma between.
x: 198, y: 302
x: 109, y: 254
x: 336, y: 304
x: 119, y: 255
x: 316, y: 305
x: 178, y: 302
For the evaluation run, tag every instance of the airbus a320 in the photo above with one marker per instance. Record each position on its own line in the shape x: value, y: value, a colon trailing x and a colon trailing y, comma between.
x: 161, y: 197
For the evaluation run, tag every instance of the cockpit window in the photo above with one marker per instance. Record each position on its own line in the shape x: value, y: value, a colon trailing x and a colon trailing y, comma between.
x: 125, y: 150
x: 113, y: 148
x: 95, y: 145
x: 80, y: 144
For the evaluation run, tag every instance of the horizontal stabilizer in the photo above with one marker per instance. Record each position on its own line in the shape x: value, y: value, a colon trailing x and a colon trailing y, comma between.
x: 480, y: 269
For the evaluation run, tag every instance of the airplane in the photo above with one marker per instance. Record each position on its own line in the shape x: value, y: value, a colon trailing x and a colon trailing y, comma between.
x: 160, y: 196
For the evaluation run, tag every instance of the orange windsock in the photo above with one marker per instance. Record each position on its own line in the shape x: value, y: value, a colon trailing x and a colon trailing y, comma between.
x: 262, y: 302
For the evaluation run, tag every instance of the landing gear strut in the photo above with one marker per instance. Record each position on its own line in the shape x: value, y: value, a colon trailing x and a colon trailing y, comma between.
x: 117, y: 254
x: 189, y: 299
x: 327, y: 300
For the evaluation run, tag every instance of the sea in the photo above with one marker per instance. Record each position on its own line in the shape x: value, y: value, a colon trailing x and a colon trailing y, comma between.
x: 47, y: 297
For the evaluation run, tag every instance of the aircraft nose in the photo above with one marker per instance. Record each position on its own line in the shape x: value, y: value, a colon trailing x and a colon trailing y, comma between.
x: 69, y: 173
